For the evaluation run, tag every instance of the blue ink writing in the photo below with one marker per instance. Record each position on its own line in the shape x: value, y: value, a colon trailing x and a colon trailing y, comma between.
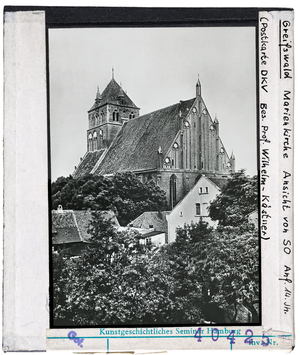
x: 73, y: 336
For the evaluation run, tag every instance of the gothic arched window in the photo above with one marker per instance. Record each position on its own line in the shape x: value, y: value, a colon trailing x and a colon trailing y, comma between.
x: 173, y: 191
x: 90, y: 142
x: 95, y: 140
x: 116, y: 116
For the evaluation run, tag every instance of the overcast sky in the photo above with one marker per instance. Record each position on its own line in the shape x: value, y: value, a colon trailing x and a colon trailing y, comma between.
x: 157, y: 67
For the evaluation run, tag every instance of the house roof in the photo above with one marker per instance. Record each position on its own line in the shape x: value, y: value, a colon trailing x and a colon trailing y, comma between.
x: 136, y: 145
x: 64, y: 228
x: 220, y: 182
x: 111, y: 95
x: 88, y: 162
x: 146, y: 233
x: 154, y: 220
x: 70, y: 226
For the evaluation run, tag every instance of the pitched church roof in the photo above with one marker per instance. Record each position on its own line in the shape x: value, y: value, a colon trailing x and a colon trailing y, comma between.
x: 88, y: 163
x: 136, y: 145
x: 219, y: 181
x: 112, y: 95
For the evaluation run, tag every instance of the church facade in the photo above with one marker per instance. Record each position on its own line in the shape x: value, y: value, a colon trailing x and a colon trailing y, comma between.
x: 173, y: 146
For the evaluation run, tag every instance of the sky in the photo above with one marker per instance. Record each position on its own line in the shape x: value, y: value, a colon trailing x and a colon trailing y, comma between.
x: 157, y: 67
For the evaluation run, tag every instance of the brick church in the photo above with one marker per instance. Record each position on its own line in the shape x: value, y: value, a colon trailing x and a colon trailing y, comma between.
x: 172, y: 146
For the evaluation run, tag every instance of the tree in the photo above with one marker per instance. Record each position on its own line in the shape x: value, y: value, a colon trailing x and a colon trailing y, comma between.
x: 222, y: 264
x: 237, y: 199
x: 118, y: 281
x: 123, y: 193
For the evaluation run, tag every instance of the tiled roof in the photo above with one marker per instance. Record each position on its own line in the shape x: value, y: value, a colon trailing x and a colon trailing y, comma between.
x: 220, y: 182
x: 88, y: 162
x: 111, y: 93
x: 155, y: 220
x: 136, y: 145
x: 146, y: 233
x: 64, y: 228
x: 72, y: 226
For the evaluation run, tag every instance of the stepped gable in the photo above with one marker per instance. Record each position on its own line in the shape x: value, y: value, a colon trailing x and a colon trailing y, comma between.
x: 88, y: 162
x: 136, y: 145
x: 111, y: 95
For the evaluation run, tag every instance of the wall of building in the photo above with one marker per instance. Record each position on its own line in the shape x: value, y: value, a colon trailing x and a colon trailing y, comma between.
x: 158, y: 240
x: 186, y: 212
x: 185, y: 180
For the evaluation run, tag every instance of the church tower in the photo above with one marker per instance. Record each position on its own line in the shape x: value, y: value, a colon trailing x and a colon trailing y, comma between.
x: 112, y: 108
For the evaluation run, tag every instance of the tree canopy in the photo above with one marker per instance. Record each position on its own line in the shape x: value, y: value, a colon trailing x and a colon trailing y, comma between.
x: 118, y: 281
x: 237, y: 199
x: 123, y: 193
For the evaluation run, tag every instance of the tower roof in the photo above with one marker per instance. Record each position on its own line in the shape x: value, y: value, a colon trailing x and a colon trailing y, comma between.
x: 111, y: 94
x: 98, y: 96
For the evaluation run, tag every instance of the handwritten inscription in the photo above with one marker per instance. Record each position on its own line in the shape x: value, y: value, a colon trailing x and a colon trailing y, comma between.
x: 263, y: 40
x: 286, y: 202
x: 285, y: 44
x: 286, y: 124
x: 73, y: 336
x: 263, y: 52
x: 264, y: 174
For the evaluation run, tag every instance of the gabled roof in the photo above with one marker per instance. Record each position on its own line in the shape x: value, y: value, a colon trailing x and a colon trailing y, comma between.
x: 112, y: 94
x: 88, y: 162
x: 220, y: 182
x: 151, y: 220
x: 136, y: 145
x: 70, y: 226
x: 64, y: 228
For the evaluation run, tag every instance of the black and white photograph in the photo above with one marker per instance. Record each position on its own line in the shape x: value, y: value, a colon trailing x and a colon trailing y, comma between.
x: 154, y: 203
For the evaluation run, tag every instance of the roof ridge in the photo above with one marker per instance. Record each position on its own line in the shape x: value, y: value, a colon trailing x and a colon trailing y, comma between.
x: 164, y: 108
x: 99, y: 160
x: 76, y: 224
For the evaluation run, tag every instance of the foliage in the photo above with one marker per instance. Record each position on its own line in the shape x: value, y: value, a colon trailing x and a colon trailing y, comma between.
x: 118, y: 281
x: 123, y: 193
x: 237, y: 199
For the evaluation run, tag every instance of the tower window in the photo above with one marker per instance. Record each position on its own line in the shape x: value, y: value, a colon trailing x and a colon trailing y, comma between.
x: 90, y: 142
x: 197, y: 209
x: 95, y: 141
x: 116, y: 116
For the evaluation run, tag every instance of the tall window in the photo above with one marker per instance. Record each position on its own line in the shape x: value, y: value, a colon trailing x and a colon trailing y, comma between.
x: 90, y: 142
x: 95, y: 141
x: 198, y: 211
x: 115, y: 115
x: 173, y: 191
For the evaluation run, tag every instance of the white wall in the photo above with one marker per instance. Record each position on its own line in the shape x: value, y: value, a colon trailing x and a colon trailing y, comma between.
x: 185, y: 211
